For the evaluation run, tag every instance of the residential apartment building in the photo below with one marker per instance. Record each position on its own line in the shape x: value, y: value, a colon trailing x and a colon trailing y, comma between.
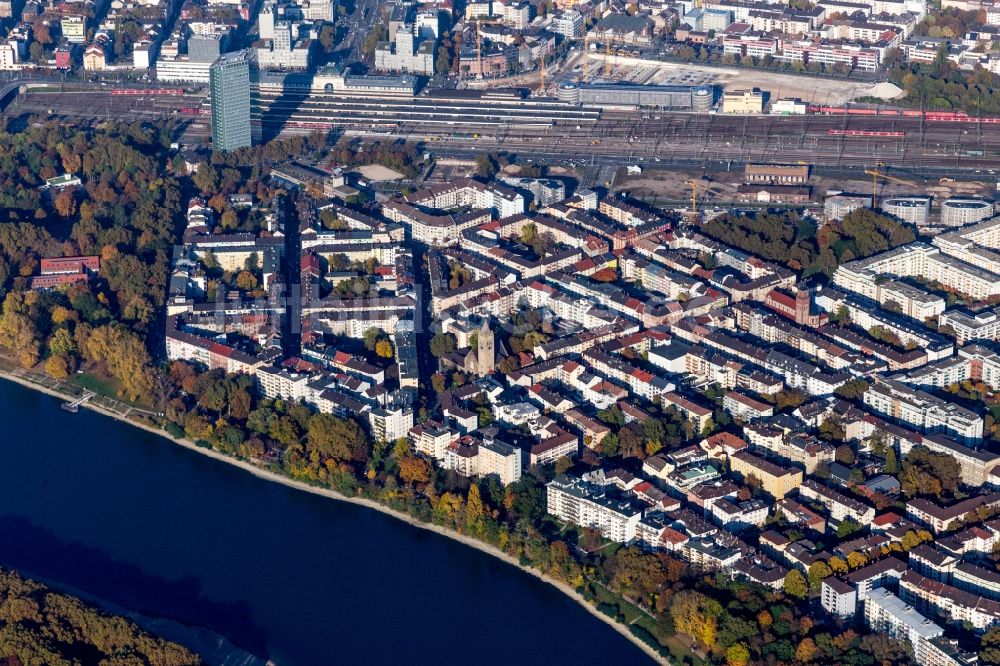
x: 471, y: 456
x: 955, y: 605
x: 590, y: 505
x: 838, y: 598
x: 774, y: 479
x: 887, y: 613
x: 923, y: 411
x: 940, y: 518
x: 432, y: 439
x: 840, y: 505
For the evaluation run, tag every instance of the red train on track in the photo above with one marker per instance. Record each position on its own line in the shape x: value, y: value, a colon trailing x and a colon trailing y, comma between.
x: 930, y: 116
x: 149, y: 92
x: 908, y: 113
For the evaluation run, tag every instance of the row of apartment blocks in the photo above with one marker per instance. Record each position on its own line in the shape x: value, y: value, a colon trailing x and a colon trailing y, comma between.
x: 629, y: 510
x: 920, y: 409
x: 887, y: 613
x: 920, y: 260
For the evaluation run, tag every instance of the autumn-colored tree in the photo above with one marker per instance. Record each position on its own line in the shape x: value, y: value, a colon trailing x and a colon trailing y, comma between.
x: 332, y: 437
x: 246, y: 281
x: 61, y: 343
x: 474, y: 511
x: 18, y: 331
x: 206, y: 178
x: 448, y: 507
x: 64, y: 203
x: 795, y: 584
x: 562, y: 565
x: 737, y: 655
x: 856, y: 560
x: 442, y: 344
x: 837, y: 565
x: 989, y: 647
x: 57, y: 367
x: 817, y: 572
x: 413, y: 469
x: 124, y: 356
x: 383, y: 348
x: 229, y: 221
x: 637, y: 574
x: 806, y: 651
x: 438, y: 382
x: 239, y: 404
x: 696, y: 615
x: 40, y: 31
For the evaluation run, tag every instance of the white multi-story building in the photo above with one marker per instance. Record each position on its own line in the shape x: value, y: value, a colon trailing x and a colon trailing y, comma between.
x: 408, y: 53
x: 913, y: 209
x: 586, y: 504
x: 957, y: 605
x: 181, y: 68
x: 470, y: 456
x: 839, y: 505
x: 887, y: 613
x: 10, y: 58
x: 284, y: 384
x: 388, y: 425
x: 923, y: 411
x: 946, y: 264
x: 959, y: 211
x: 975, y: 362
x: 838, y: 598
x: 968, y: 326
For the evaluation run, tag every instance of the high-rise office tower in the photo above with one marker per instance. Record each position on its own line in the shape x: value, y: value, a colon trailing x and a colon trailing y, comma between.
x: 229, y: 80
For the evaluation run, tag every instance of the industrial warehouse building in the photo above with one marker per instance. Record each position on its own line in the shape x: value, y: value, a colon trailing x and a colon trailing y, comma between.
x: 681, y: 98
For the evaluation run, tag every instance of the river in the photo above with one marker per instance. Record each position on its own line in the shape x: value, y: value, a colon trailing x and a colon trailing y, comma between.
x: 99, y: 508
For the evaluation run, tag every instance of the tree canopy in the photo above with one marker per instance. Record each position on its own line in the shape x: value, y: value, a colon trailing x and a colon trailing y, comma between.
x: 41, y: 626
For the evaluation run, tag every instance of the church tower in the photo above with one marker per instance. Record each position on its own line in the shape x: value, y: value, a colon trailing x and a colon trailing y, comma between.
x: 486, y: 357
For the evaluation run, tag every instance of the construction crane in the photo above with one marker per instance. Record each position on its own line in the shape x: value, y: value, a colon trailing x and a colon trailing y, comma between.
x: 695, y: 186
x: 877, y: 175
x: 607, y: 59
x: 586, y: 58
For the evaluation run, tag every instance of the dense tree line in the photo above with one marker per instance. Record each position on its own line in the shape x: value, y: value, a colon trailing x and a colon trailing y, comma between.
x: 791, y: 240
x: 45, y: 628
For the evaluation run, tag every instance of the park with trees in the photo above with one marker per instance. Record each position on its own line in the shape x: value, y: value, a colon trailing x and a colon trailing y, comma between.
x: 792, y: 240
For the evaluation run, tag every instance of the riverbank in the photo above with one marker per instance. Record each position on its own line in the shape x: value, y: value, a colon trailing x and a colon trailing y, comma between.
x: 22, y: 379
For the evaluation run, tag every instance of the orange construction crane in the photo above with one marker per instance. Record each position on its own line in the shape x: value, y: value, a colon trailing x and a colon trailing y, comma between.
x: 879, y: 175
x: 695, y: 186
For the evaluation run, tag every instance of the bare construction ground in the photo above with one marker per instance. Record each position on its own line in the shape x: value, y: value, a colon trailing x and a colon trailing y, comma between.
x: 377, y: 172
x: 652, y: 72
x: 721, y: 186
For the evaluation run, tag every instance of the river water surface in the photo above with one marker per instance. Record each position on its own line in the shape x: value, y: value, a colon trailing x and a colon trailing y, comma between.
x: 118, y: 514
